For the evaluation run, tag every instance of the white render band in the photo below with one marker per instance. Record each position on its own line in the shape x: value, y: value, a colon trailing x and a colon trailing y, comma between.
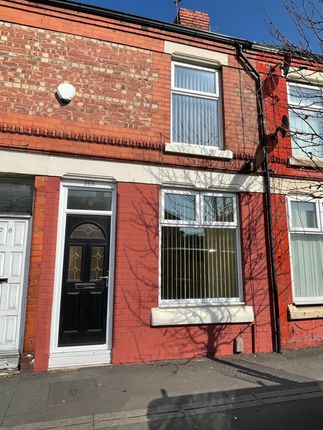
x: 71, y: 167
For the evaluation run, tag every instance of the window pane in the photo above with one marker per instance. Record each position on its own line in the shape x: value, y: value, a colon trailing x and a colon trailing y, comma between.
x: 74, y: 263
x: 89, y: 200
x: 307, y: 256
x: 218, y: 209
x: 194, y: 79
x: 97, y: 262
x: 180, y: 207
x: 310, y: 97
x: 16, y: 195
x: 195, y: 120
x: 199, y: 263
x: 87, y: 231
x: 303, y: 214
x: 306, y: 131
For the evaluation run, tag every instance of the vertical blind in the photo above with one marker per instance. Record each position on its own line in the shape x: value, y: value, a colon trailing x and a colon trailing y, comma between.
x: 199, y: 263
x: 199, y: 258
x: 195, y: 79
x: 195, y: 111
x: 307, y: 256
x: 195, y: 120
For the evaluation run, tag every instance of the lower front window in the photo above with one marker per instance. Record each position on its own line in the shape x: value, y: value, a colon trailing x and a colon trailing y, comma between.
x: 306, y: 246
x: 200, y: 261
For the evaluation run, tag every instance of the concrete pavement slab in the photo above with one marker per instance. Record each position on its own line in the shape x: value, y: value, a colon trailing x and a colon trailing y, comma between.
x: 7, y: 390
x: 159, y: 388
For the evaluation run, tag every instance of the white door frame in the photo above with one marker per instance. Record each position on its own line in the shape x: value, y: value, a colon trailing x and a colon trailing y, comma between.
x: 24, y: 287
x: 76, y: 356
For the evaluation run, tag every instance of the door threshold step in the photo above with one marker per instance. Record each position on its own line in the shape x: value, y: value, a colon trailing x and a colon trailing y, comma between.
x: 9, y: 362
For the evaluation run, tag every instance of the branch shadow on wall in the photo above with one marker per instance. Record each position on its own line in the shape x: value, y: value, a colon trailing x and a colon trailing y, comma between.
x: 141, y: 291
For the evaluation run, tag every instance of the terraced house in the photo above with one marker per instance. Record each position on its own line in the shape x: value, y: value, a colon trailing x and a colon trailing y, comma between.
x: 154, y: 204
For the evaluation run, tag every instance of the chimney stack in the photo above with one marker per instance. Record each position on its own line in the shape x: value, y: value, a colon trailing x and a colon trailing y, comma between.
x: 193, y: 19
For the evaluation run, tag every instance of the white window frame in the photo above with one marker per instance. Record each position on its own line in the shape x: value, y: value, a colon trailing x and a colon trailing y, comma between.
x: 198, y: 94
x: 299, y: 300
x: 200, y: 223
x: 302, y: 106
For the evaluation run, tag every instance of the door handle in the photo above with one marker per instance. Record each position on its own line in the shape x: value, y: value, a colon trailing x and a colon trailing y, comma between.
x: 106, y: 279
x: 3, y: 280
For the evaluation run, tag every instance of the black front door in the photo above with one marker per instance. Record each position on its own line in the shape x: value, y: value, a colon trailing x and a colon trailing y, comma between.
x: 83, y: 314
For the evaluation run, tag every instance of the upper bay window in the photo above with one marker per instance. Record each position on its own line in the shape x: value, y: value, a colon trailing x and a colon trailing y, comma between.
x: 306, y: 119
x: 200, y: 252
x: 196, y: 114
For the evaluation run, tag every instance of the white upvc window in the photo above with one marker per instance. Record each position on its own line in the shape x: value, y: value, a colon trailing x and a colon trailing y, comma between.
x: 306, y: 119
x: 196, y: 107
x: 306, y: 248
x: 199, y: 248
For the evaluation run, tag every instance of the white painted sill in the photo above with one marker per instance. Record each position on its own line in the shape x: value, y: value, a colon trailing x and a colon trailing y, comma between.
x: 305, y: 312
x: 229, y: 314
x: 305, y: 162
x: 206, y: 151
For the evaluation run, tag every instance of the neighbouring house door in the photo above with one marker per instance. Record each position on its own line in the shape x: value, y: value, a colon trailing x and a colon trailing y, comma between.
x: 13, y: 247
x: 83, y: 312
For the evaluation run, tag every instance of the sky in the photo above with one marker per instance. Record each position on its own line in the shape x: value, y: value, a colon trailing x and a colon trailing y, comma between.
x: 240, y: 18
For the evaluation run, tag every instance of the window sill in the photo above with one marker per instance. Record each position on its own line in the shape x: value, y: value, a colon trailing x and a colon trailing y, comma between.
x: 305, y: 162
x: 305, y: 312
x: 229, y: 314
x: 206, y: 151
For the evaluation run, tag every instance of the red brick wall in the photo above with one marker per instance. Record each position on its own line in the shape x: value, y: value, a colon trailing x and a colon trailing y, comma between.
x: 241, y: 132
x: 295, y: 334
x: 116, y: 85
x: 276, y: 105
x: 41, y: 274
x: 123, y: 91
x: 302, y: 333
x: 136, y: 286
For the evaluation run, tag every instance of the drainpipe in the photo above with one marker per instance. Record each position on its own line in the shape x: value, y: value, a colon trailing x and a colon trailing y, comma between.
x: 263, y: 136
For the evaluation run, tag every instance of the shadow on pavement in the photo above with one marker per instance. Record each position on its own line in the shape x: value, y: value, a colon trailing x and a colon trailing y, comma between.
x: 282, y: 401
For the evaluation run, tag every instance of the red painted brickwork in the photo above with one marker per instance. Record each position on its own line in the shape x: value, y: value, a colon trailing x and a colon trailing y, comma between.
x: 136, y: 286
x: 276, y: 105
x: 41, y: 274
x: 193, y: 19
x: 241, y: 133
x: 123, y: 82
x: 295, y: 334
x: 302, y: 333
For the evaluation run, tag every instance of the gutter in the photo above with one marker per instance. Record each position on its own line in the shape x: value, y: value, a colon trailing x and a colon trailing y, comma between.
x: 164, y: 26
x: 145, y: 22
x: 263, y: 136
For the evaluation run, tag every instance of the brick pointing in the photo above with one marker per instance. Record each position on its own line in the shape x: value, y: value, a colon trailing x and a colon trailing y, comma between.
x: 193, y: 19
x: 122, y: 91
x: 117, y: 85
